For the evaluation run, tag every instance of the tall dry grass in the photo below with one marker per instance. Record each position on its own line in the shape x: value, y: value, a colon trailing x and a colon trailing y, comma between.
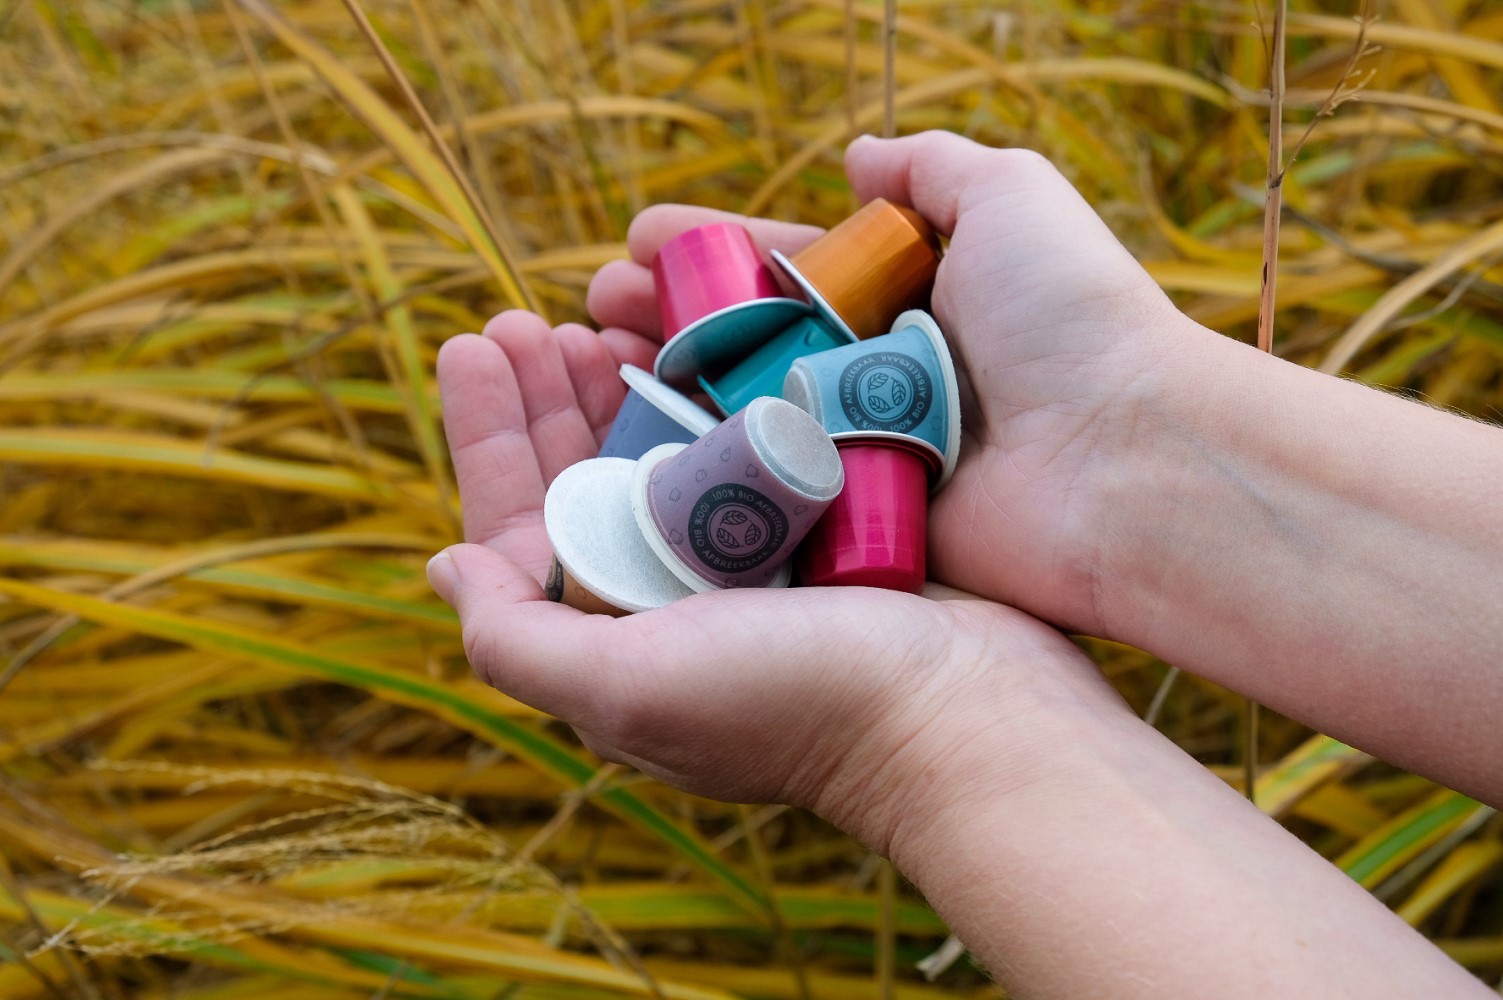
x: 240, y: 754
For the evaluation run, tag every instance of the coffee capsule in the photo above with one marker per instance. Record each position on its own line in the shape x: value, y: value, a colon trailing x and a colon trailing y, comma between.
x: 763, y: 373
x: 729, y: 509
x: 868, y: 269
x: 875, y: 533
x: 652, y: 414
x: 900, y: 385
x: 603, y: 564
x: 719, y: 302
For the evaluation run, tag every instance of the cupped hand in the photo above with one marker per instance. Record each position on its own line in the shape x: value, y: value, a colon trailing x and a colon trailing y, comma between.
x: 844, y: 700
x: 1055, y: 327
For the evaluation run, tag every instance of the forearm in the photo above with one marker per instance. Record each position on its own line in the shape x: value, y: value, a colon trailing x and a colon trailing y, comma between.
x: 1128, y: 870
x: 1330, y: 550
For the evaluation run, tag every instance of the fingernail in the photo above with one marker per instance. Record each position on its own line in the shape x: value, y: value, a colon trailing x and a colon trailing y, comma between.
x: 443, y: 576
x: 863, y: 137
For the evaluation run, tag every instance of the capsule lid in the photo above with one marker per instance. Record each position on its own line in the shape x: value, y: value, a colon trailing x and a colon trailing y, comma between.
x: 684, y: 411
x: 589, y: 520
x: 925, y: 322
x: 818, y: 301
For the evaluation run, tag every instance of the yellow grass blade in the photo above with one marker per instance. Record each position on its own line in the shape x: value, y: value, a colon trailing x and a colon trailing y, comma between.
x: 155, y: 454
x: 365, y: 103
x: 1465, y: 865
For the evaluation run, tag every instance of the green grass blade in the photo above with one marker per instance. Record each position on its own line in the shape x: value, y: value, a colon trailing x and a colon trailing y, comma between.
x: 418, y: 692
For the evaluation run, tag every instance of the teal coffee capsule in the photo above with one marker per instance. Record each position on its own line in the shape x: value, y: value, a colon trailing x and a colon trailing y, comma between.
x: 763, y: 373
x: 900, y: 385
x: 728, y: 510
x: 652, y: 414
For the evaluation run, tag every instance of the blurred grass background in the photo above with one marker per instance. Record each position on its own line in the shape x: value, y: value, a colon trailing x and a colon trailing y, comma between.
x: 240, y: 752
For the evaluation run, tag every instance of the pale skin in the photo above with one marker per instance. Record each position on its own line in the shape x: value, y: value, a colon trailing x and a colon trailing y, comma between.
x: 1330, y: 550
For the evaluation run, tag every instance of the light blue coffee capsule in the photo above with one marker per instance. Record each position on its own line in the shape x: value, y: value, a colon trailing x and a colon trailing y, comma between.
x: 763, y: 373
x: 714, y: 344
x: 652, y: 414
x: 900, y: 385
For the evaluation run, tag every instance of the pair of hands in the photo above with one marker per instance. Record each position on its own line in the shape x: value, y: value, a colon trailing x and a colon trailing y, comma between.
x: 845, y: 700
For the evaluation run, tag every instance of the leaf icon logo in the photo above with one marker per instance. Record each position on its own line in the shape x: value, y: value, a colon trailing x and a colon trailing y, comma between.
x: 899, y: 394
x: 752, y: 536
x: 727, y: 539
x: 877, y: 380
x: 877, y: 404
x: 734, y: 517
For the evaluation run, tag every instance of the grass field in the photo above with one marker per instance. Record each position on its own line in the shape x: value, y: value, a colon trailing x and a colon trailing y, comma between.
x: 240, y: 752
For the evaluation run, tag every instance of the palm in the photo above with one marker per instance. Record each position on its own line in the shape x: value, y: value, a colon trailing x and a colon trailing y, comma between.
x: 522, y: 403
x: 1054, y: 336
x: 799, y: 677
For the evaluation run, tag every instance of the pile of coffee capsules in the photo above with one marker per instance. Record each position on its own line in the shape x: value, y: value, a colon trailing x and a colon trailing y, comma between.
x: 841, y: 416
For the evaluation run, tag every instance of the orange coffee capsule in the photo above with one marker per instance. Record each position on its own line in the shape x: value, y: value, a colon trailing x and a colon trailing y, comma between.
x: 876, y: 264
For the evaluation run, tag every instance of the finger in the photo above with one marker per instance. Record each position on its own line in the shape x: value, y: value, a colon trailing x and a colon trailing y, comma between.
x: 657, y: 225
x: 629, y: 348
x: 547, y: 655
x: 614, y: 754
x: 557, y: 426
x: 486, y: 425
x: 594, y: 372
x: 621, y: 294
x: 938, y: 173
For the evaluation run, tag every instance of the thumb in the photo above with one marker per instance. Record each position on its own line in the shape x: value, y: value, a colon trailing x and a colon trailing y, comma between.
x: 938, y: 173
x: 547, y: 655
x: 455, y: 571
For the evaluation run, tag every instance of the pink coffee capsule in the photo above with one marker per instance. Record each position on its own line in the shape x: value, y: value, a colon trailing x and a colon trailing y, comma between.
x: 728, y: 509
x: 718, y: 301
x: 874, y: 533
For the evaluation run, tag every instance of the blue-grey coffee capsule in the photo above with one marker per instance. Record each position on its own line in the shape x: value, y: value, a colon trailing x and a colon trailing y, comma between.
x: 652, y: 414
x: 899, y: 385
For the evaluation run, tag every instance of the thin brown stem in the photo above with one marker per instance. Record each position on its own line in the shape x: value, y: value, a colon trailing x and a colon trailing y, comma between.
x: 404, y: 86
x: 889, y: 69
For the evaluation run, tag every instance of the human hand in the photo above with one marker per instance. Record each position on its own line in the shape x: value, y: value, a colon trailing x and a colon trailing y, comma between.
x: 1130, y: 474
x: 1056, y: 328
x: 850, y: 701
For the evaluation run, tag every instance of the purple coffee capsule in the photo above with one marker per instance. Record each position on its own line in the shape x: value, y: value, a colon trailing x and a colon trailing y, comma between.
x: 728, y: 510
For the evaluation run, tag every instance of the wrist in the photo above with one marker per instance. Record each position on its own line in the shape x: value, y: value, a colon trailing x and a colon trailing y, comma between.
x: 1169, y: 472
x: 985, y: 722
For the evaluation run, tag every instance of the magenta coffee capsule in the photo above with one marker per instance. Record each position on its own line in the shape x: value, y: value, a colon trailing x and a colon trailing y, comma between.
x: 729, y: 509
x: 719, y: 302
x: 602, y: 564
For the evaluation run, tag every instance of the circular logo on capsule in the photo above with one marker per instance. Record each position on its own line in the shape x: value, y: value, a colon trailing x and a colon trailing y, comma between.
x: 735, y: 529
x: 885, y: 391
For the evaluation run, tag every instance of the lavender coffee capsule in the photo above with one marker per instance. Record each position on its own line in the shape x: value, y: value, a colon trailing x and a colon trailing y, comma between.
x: 601, y: 562
x: 728, y: 510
